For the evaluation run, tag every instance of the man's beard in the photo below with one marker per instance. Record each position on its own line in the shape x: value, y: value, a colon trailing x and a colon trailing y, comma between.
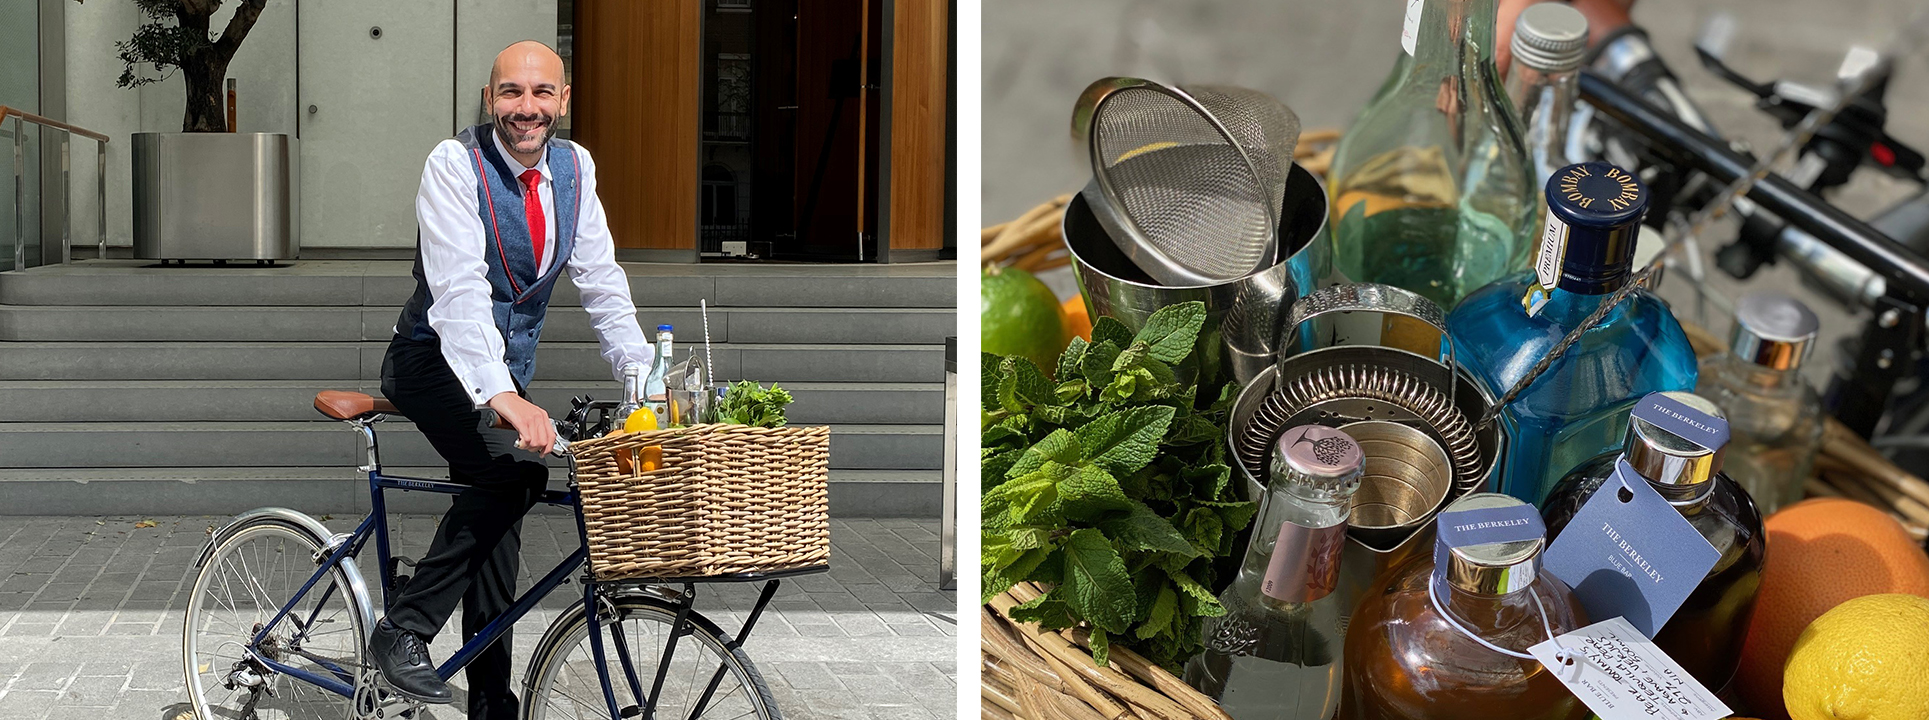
x: 508, y: 133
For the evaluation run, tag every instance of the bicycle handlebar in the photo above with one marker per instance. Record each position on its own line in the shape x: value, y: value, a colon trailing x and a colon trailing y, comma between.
x: 495, y: 420
x: 1905, y: 272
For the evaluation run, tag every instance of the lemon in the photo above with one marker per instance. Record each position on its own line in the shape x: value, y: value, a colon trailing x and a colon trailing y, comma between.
x: 642, y: 419
x: 1863, y: 660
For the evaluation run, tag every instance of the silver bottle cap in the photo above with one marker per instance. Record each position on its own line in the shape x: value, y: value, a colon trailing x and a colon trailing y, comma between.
x: 1493, y: 568
x: 1550, y: 37
x: 1773, y: 330
x: 1320, y: 457
x: 1668, y: 459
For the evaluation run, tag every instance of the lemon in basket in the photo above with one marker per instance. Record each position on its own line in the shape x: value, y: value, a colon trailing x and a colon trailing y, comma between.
x: 649, y: 458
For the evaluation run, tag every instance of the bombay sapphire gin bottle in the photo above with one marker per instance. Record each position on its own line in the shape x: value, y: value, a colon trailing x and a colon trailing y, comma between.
x: 1705, y: 635
x: 1275, y: 653
x: 1579, y: 408
x: 1774, y: 415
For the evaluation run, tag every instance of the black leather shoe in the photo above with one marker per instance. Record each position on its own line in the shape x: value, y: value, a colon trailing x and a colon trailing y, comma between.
x: 404, y: 660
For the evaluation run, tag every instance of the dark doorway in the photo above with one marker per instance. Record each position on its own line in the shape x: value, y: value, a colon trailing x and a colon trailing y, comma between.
x: 791, y: 113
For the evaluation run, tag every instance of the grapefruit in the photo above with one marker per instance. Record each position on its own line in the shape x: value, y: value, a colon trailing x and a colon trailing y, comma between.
x: 1821, y: 553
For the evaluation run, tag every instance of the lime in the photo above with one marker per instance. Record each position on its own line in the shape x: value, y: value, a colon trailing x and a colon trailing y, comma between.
x: 1018, y: 315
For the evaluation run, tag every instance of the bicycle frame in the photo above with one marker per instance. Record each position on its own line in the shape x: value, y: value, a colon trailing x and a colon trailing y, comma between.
x: 342, y: 681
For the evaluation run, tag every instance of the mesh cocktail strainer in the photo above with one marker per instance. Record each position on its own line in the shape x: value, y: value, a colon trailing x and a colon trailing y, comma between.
x: 1192, y: 177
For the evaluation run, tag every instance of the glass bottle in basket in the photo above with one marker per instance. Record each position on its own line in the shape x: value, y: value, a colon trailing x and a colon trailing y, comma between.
x: 656, y: 394
x: 1774, y: 414
x: 1445, y: 635
x: 1578, y: 408
x: 1705, y: 635
x: 1431, y: 187
x: 1275, y: 653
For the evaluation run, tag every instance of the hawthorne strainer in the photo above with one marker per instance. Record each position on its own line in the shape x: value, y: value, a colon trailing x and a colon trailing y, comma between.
x: 1191, y: 178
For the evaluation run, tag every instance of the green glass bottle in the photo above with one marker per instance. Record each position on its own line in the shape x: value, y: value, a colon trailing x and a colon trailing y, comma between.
x: 1432, y: 188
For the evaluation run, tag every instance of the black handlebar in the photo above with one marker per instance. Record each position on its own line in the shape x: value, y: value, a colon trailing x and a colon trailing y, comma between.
x: 1906, y: 273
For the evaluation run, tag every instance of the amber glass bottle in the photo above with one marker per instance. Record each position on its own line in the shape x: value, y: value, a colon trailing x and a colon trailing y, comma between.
x: 1406, y: 660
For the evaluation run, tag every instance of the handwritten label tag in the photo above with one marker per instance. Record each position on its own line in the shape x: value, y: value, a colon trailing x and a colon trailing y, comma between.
x: 1636, y: 558
x: 1620, y: 675
x: 1410, y: 30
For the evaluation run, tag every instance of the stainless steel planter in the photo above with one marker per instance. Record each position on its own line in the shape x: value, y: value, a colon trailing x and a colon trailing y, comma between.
x: 216, y: 196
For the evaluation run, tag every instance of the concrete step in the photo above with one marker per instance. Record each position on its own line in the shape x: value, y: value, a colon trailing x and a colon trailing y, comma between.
x: 330, y: 444
x: 91, y: 323
x: 289, y: 400
x: 343, y: 490
x: 382, y: 283
x: 336, y: 361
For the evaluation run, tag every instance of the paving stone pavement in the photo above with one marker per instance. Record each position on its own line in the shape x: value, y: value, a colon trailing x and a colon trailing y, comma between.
x: 91, y: 614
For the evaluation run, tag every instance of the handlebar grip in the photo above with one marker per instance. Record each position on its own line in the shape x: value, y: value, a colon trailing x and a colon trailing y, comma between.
x: 491, y: 418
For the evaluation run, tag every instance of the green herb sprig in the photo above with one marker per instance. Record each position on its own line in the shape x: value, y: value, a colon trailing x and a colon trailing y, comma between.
x: 747, y: 403
x: 1110, y: 488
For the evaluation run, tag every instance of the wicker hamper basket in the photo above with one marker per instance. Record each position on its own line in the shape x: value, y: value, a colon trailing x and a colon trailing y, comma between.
x: 726, y: 499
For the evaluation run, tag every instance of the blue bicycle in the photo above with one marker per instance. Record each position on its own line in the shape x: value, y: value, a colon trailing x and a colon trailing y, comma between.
x: 280, y: 617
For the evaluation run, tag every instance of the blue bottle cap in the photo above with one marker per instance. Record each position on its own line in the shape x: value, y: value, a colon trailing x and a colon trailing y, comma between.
x: 665, y: 328
x: 1594, y: 213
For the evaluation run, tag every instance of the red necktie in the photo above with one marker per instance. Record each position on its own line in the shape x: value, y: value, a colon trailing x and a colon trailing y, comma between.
x: 532, y: 206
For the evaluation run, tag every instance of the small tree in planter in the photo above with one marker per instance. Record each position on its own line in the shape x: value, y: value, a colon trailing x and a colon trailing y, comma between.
x: 176, y: 36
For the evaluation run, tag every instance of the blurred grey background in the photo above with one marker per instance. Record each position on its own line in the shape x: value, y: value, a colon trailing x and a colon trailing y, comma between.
x: 1325, y: 59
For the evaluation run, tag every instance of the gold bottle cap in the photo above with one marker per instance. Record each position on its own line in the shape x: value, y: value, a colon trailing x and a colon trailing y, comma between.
x: 1495, y: 568
x: 1664, y: 456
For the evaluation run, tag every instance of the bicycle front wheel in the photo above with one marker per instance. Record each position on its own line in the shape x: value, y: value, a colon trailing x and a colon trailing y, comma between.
x: 562, y: 682
x: 247, y: 579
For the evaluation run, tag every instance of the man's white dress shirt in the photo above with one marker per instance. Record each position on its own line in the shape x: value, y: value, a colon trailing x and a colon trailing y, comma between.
x: 453, y: 249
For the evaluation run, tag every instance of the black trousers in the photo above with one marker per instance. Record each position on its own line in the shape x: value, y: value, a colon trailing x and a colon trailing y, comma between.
x: 473, y: 558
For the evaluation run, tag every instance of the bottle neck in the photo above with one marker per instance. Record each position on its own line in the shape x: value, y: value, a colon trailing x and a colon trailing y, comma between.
x: 1545, y: 101
x: 1567, y: 308
x: 1454, y: 37
x: 1291, y: 502
x: 1741, y: 372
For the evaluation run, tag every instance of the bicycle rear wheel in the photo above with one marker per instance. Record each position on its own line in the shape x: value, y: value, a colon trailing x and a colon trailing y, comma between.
x: 562, y: 682
x: 246, y: 580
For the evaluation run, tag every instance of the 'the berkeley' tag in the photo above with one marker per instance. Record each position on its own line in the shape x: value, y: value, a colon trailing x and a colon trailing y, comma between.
x: 1628, y: 553
x: 1621, y: 675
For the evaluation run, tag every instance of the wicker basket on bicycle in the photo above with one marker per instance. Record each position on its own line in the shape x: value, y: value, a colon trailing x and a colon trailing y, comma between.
x: 723, y: 500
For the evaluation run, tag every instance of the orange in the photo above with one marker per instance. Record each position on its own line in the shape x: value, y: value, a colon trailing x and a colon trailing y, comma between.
x: 1821, y: 553
x: 1077, y: 321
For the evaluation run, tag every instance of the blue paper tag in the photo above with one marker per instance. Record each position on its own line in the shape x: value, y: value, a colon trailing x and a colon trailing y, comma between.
x: 1636, y: 558
x: 1481, y: 526
x: 1685, y: 422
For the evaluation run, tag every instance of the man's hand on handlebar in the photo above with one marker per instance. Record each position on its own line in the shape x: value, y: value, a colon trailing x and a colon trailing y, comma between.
x: 537, y: 431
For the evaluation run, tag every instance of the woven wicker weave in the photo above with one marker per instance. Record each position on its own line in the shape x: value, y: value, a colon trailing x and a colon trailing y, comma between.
x: 726, y: 499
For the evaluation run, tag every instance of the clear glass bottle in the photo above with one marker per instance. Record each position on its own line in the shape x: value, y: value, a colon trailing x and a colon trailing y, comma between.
x: 1705, y: 635
x: 1774, y: 415
x: 1275, y: 653
x: 1549, y: 40
x: 656, y: 394
x: 1405, y: 660
x: 1579, y: 408
x: 1431, y: 186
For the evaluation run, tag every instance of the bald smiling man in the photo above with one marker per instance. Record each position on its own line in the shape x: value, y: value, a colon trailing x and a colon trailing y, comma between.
x: 504, y: 208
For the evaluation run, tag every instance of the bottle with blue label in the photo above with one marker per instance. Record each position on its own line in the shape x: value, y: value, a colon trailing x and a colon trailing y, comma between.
x: 1578, y: 408
x: 1275, y: 653
x: 1675, y: 441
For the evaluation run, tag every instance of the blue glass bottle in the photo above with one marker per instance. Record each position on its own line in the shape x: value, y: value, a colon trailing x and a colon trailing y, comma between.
x: 1579, y: 408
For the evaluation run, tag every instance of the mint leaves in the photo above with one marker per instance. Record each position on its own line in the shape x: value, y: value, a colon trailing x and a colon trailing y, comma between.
x: 747, y: 403
x: 1110, y: 487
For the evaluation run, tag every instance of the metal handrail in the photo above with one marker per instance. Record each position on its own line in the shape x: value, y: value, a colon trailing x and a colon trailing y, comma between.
x: 21, y: 118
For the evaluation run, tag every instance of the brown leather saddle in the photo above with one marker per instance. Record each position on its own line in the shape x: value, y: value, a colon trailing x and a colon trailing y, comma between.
x: 344, y: 405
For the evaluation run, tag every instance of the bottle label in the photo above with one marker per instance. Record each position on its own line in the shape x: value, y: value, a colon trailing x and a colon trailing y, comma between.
x: 1481, y: 526
x: 1410, y: 30
x: 1547, y: 264
x: 1620, y: 675
x: 1706, y: 431
x: 1305, y: 565
x: 1630, y: 554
